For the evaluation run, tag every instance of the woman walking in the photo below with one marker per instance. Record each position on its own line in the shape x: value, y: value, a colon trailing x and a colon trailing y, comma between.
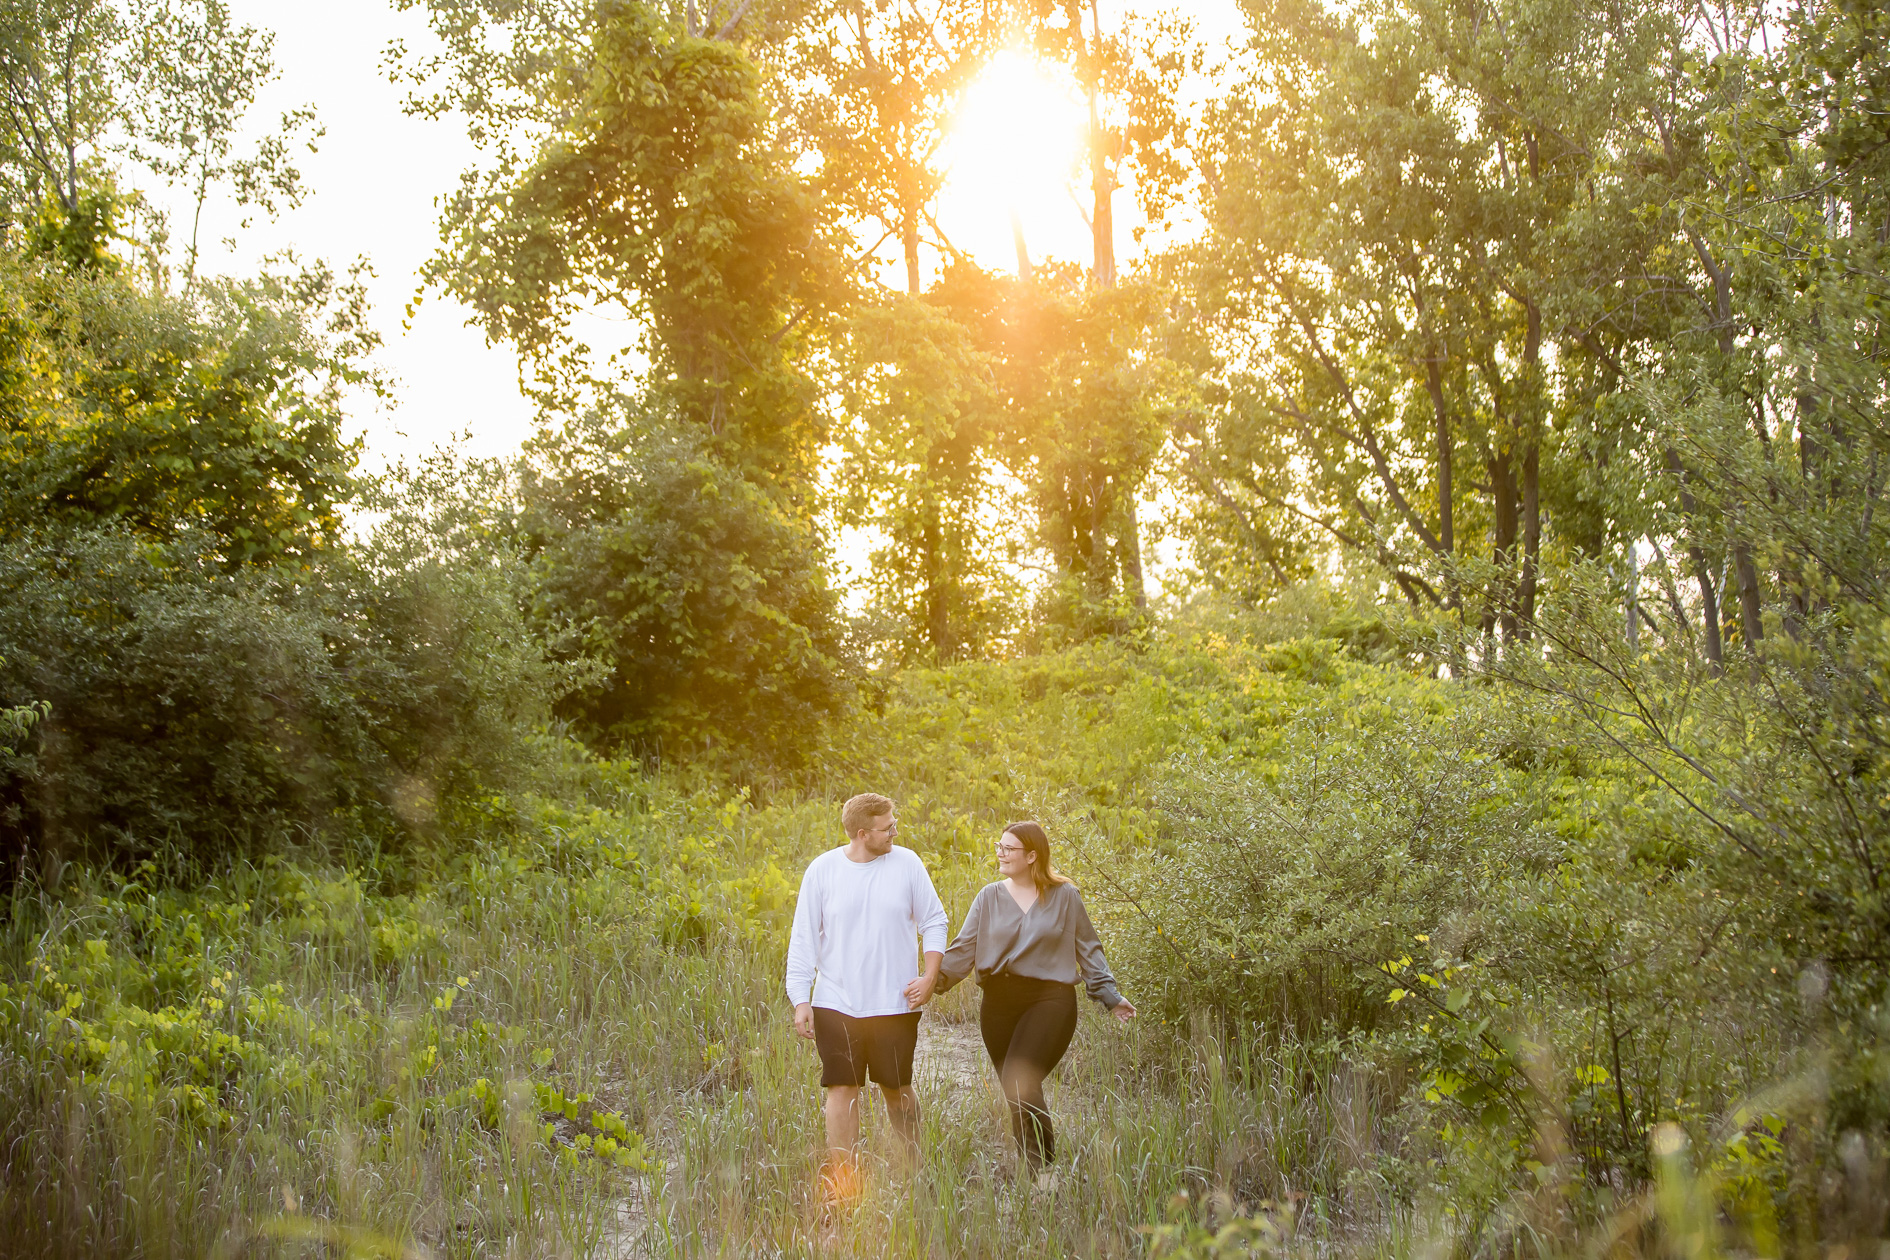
x: 1030, y: 938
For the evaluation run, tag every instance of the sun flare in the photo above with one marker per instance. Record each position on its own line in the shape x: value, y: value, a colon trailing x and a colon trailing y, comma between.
x: 1014, y: 149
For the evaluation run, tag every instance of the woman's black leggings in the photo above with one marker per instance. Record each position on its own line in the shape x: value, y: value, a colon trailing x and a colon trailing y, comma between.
x: 1027, y: 1025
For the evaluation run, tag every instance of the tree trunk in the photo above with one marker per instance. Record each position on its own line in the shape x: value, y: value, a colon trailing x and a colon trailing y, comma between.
x: 1129, y: 549
x: 1446, y: 519
x: 1446, y: 466
x: 1751, y: 622
x: 1671, y: 591
x: 1709, y: 598
x: 1095, y: 531
x: 909, y: 231
x: 1102, y: 225
x: 937, y: 608
x: 1791, y: 577
x: 1059, y: 517
x: 1532, y: 448
x: 1531, y: 531
x: 1631, y: 600
x: 1503, y: 490
x: 1709, y: 607
x: 1024, y: 269
x: 1106, y: 514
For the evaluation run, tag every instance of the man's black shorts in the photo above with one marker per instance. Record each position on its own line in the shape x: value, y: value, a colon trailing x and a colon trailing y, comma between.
x: 851, y: 1048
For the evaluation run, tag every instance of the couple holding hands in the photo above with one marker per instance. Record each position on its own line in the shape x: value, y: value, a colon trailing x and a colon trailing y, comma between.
x: 854, y: 978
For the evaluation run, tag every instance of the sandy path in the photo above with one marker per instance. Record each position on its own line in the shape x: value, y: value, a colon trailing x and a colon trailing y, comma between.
x: 950, y: 1055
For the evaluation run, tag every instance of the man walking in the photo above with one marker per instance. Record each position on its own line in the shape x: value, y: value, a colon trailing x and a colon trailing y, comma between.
x: 853, y: 972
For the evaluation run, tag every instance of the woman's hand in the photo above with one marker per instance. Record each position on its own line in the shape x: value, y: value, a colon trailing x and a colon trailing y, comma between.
x: 1123, y: 1010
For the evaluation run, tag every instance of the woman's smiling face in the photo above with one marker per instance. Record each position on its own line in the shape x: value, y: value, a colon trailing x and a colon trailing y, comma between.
x: 1014, y: 860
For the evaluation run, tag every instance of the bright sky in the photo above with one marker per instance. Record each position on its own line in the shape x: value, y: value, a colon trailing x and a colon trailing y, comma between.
x: 376, y: 176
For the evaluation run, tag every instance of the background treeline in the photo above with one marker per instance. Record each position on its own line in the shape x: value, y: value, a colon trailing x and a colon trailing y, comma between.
x: 1490, y: 801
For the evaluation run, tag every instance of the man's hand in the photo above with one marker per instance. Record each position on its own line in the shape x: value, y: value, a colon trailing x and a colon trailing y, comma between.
x: 919, y: 991
x: 1123, y: 1011
x: 804, y: 1020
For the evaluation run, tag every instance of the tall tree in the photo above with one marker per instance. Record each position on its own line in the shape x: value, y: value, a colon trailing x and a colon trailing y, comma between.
x: 675, y: 516
x: 918, y: 466
x: 1086, y: 396
x: 218, y: 417
x: 876, y: 87
x: 665, y: 195
x: 1429, y: 300
x: 87, y: 86
x: 1091, y: 482
x: 1769, y: 413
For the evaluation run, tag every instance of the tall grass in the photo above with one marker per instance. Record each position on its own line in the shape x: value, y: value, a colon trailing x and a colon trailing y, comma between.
x: 285, y: 1061
x: 1143, y: 1114
x: 568, y: 1037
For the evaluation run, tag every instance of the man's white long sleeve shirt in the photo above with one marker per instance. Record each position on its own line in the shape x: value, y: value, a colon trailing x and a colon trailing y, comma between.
x: 852, y: 948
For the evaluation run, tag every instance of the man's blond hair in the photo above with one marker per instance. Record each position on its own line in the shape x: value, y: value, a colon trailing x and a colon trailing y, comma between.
x: 857, y: 815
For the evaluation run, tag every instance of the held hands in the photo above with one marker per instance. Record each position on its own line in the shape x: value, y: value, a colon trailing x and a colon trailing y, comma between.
x: 1123, y: 1011
x: 919, y: 991
x: 804, y: 1020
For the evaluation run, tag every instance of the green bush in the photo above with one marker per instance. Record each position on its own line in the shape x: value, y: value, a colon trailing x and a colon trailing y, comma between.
x: 1280, y: 883
x: 702, y: 593
x: 217, y: 416
x: 207, y: 711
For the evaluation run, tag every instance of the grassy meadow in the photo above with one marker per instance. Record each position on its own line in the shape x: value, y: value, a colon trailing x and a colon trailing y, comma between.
x: 563, y: 1033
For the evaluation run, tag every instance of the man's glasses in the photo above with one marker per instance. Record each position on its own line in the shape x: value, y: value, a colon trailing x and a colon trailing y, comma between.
x: 890, y: 828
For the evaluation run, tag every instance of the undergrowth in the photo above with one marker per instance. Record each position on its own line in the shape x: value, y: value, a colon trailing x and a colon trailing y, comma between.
x: 564, y: 1032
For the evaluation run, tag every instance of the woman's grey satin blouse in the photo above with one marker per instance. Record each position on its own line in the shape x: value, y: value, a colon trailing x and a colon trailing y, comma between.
x: 1053, y: 940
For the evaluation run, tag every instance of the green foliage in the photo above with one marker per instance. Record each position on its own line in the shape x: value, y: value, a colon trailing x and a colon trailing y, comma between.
x: 1083, y: 394
x: 1221, y: 1232
x: 1384, y: 810
x: 1545, y: 949
x: 188, y: 77
x: 663, y: 194
x: 175, y: 690
x: 576, y: 1007
x: 702, y: 597
x: 917, y: 466
x: 58, y: 64
x: 104, y: 95
x: 80, y: 238
x: 219, y: 417
x: 677, y: 545
x: 1574, y: 944
x: 1448, y: 290
x: 873, y: 92
x: 15, y: 722
x: 209, y: 711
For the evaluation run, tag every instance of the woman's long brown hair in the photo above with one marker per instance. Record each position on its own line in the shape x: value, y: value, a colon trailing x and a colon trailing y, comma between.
x: 1031, y: 835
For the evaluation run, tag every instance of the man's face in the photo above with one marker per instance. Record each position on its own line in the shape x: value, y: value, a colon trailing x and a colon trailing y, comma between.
x: 878, y: 838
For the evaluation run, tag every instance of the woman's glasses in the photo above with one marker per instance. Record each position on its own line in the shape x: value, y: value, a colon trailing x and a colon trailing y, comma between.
x: 1006, y: 850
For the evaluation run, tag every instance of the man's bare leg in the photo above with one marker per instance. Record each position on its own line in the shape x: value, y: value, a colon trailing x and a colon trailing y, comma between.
x: 902, y: 1108
x: 842, y: 1113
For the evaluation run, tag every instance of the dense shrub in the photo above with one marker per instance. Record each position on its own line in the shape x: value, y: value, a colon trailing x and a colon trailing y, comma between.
x: 701, y: 592
x: 183, y: 700
x: 1284, y: 881
x: 1568, y: 915
x: 212, y: 710
x: 218, y: 416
